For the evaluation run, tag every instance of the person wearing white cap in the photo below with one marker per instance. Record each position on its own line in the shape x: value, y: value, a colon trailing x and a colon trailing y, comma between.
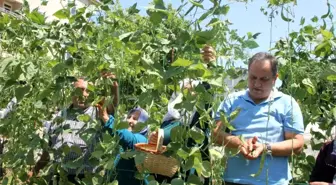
x: 59, y: 139
x: 175, y: 117
x: 125, y: 169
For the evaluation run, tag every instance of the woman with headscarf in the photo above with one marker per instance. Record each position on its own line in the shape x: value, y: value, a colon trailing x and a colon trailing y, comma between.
x: 125, y: 169
x: 188, y: 119
x: 324, y: 171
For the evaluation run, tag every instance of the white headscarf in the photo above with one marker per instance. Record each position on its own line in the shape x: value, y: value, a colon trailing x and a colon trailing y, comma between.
x: 176, y: 98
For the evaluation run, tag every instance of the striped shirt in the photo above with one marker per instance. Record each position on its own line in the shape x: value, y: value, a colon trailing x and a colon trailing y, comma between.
x: 10, y: 107
x: 3, y: 114
x: 73, y: 139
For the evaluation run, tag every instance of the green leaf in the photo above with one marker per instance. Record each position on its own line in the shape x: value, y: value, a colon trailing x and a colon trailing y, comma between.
x: 122, y: 125
x: 7, y: 180
x: 204, y: 37
x: 109, y: 165
x: 153, y: 182
x: 182, y: 62
x: 125, y: 36
x: 139, y: 158
x: 234, y: 114
x: 133, y: 9
x: 75, y: 163
x: 302, y: 21
x: 314, y: 19
x: 222, y: 10
x: 4, y: 63
x: 115, y: 182
x: 182, y: 153
x: 98, y: 154
x: 159, y: 4
x: 62, y: 14
x: 327, y: 34
x: 178, y: 134
x: 216, y: 82
x: 84, y: 118
x: 242, y: 84
x: 194, y: 180
x: 215, y: 154
x: 189, y: 164
x: 20, y: 92
x: 309, y: 86
x: 225, y: 121
x: 334, y: 112
x: 59, y: 68
x: 255, y: 36
x: 196, y: 4
x: 251, y: 44
x: 207, y: 170
x: 198, y: 164
x: 177, y: 181
x: 310, y: 159
x: 197, y: 135
x: 331, y: 77
x: 30, y: 157
x: 206, y: 15
x: 37, y: 17
x: 194, y: 150
x: 76, y: 149
x: 309, y: 29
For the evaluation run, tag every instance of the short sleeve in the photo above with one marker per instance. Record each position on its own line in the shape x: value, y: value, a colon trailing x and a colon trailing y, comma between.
x: 293, y: 121
x: 225, y: 107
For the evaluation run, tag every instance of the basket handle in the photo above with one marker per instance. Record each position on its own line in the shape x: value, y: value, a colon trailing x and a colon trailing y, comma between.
x: 159, y: 140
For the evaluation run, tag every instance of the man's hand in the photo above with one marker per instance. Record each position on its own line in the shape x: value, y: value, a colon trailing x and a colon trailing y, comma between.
x: 252, y: 149
x: 102, y: 112
x: 105, y: 74
x: 208, y: 54
x: 114, y: 90
x: 258, y: 149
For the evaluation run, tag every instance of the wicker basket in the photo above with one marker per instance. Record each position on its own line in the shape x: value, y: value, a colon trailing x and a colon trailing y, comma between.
x: 154, y: 161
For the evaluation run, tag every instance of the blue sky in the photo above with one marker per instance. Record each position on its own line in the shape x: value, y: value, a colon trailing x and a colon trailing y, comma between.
x: 249, y: 18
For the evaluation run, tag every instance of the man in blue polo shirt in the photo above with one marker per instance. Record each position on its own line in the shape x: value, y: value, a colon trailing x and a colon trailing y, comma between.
x: 269, y: 121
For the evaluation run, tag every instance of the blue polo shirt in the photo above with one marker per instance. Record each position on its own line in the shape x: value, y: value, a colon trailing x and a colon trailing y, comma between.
x: 284, y: 116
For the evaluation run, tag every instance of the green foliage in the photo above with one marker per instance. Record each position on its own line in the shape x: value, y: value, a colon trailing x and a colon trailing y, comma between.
x: 46, y: 57
x: 40, y: 60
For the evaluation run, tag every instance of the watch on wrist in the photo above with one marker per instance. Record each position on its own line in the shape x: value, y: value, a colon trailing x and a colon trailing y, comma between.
x: 268, y: 148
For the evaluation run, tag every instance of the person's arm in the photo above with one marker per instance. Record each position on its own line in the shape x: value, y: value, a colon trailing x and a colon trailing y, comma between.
x: 42, y: 162
x: 111, y: 107
x: 293, y: 144
x: 45, y: 158
x: 225, y: 139
x: 294, y: 129
x: 115, y: 93
x: 293, y: 134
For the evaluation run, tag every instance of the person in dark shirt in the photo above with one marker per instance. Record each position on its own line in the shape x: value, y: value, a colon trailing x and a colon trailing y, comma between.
x: 324, y: 171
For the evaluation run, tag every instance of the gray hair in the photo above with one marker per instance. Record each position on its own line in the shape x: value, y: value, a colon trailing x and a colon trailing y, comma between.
x: 262, y: 57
